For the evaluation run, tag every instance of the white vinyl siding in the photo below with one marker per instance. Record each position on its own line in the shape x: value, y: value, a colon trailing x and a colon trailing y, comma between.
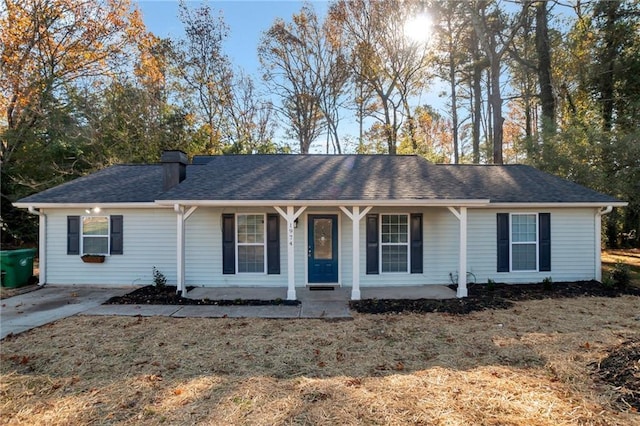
x: 203, y: 252
x: 572, y: 247
x: 149, y: 240
x: 440, y: 249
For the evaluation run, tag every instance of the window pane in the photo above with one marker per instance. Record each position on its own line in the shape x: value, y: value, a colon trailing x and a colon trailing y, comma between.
x: 251, y: 259
x: 523, y: 228
x: 322, y: 239
x: 394, y: 258
x: 95, y: 245
x: 98, y: 225
x: 395, y: 228
x: 251, y: 229
x: 524, y: 257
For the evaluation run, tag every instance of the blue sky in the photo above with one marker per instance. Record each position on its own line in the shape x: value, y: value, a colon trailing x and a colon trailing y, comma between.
x: 247, y: 20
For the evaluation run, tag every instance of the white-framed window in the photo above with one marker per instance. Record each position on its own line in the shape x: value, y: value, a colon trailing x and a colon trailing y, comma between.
x: 394, y: 243
x: 524, y: 242
x: 95, y: 235
x: 250, y: 246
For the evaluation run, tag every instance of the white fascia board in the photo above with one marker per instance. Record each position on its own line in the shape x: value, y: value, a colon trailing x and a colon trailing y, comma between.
x: 554, y: 205
x: 142, y: 205
x: 332, y: 203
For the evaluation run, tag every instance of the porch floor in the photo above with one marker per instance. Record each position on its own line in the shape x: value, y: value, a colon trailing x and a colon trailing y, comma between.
x: 340, y: 294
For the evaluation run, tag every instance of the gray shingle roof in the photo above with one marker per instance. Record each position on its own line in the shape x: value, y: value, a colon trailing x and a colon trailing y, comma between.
x: 323, y: 177
x: 115, y: 184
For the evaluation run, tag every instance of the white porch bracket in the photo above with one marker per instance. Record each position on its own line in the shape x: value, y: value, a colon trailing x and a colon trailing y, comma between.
x: 462, y: 263
x: 290, y: 216
x: 356, y: 215
x: 182, y: 216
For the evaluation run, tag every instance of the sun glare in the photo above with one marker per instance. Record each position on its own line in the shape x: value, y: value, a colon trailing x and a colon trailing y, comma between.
x: 418, y: 28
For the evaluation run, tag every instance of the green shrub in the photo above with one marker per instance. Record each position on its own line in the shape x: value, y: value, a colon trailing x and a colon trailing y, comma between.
x: 159, y: 279
x: 547, y: 284
x: 607, y: 282
x: 491, y: 285
x: 621, y: 275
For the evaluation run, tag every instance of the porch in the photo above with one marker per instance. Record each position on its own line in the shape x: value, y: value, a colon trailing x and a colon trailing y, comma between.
x: 314, y: 303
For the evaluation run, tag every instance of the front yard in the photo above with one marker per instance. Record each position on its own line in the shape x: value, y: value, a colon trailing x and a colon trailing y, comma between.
x: 532, y: 364
x: 540, y: 362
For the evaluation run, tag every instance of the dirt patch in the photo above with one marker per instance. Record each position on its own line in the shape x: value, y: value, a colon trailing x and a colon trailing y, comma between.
x: 499, y: 296
x: 621, y: 368
x: 153, y: 295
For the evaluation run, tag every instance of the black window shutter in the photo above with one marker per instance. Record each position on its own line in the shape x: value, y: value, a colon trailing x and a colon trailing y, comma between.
x: 273, y: 243
x: 73, y: 234
x: 228, y: 244
x: 416, y: 243
x: 503, y: 242
x: 544, y: 241
x: 116, y: 235
x: 372, y: 244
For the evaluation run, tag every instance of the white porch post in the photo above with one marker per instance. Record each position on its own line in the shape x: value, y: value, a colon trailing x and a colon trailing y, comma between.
x: 180, y: 253
x: 462, y: 264
x: 290, y: 216
x: 180, y: 247
x: 355, y: 217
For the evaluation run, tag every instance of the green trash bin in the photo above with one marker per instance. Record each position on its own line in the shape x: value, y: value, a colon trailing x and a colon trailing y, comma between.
x: 16, y: 266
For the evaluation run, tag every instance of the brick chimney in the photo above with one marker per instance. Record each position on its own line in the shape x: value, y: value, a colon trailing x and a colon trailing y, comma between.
x: 174, y: 168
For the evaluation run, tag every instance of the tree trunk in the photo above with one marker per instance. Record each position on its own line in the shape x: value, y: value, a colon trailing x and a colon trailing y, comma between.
x: 608, y: 62
x: 454, y: 104
x: 547, y: 100
x: 477, y: 101
x: 496, y: 106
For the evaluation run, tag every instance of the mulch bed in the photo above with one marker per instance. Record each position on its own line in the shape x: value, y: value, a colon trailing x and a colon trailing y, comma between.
x: 152, y: 295
x: 481, y: 297
x: 621, y: 368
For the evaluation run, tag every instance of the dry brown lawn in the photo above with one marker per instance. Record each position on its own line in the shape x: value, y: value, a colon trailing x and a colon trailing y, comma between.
x: 529, y: 365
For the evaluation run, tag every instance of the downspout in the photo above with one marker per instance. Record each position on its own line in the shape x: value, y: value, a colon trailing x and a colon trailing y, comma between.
x: 42, y: 244
x: 598, y: 239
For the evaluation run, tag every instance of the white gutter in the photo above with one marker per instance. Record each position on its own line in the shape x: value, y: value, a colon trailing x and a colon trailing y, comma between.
x: 559, y: 204
x: 141, y: 205
x: 360, y: 203
x: 598, y: 239
x: 42, y: 244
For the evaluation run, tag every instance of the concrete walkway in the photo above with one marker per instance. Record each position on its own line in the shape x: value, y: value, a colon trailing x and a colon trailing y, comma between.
x: 51, y: 303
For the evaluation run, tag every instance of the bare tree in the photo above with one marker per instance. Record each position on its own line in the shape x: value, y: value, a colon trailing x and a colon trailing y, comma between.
x: 205, y: 70
x: 304, y: 65
x: 495, y: 31
x: 250, y: 124
x: 384, y: 59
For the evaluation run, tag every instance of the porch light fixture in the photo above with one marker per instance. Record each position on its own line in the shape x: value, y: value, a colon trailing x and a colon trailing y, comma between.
x: 295, y: 223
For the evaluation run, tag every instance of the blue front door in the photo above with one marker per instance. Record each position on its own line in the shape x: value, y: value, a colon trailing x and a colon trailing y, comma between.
x: 323, y: 248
